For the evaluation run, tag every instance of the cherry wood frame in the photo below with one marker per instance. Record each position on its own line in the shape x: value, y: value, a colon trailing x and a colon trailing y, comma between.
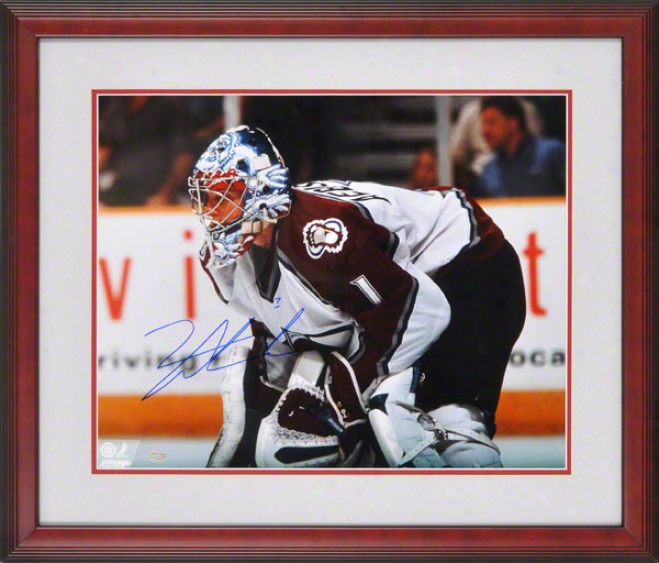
x: 22, y: 24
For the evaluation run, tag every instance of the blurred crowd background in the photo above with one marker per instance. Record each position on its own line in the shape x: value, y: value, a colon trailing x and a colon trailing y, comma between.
x: 494, y: 146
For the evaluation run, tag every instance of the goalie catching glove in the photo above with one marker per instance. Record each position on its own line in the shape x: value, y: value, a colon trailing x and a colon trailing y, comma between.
x: 304, y: 430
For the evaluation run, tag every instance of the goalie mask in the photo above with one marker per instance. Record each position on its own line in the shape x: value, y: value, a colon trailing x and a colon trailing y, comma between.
x: 238, y: 183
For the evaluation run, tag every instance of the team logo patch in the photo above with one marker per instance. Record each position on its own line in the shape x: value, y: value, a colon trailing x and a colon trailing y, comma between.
x: 328, y: 235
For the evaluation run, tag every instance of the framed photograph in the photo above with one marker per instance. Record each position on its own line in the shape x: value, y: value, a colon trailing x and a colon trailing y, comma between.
x: 117, y: 347
x: 150, y: 364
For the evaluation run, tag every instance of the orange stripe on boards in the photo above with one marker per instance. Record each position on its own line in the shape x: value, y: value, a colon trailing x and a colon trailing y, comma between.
x: 527, y: 412
x: 143, y: 209
x: 530, y: 200
x: 537, y: 412
x: 179, y: 416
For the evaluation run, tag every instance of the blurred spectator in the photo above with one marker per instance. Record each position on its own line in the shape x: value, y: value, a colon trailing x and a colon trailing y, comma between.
x: 523, y: 164
x: 468, y: 151
x: 145, y: 152
x: 206, y: 118
x: 552, y: 109
x: 424, y: 169
x: 302, y: 128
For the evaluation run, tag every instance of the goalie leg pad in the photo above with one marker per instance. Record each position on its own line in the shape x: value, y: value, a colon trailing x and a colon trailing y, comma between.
x: 397, y: 426
x: 309, y: 366
x: 233, y: 409
x: 466, y: 442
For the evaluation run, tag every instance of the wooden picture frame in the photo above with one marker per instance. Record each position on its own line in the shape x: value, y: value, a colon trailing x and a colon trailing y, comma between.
x: 23, y: 25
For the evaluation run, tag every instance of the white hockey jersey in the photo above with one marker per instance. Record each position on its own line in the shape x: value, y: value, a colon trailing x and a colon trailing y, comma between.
x: 350, y: 270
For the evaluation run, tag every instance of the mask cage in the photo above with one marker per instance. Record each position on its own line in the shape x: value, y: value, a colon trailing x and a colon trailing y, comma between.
x: 207, y: 201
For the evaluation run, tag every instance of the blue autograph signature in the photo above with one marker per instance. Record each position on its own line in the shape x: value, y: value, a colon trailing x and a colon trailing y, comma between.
x: 211, y: 347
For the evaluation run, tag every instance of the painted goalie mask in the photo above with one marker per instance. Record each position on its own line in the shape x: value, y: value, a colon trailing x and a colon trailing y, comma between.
x: 238, y: 183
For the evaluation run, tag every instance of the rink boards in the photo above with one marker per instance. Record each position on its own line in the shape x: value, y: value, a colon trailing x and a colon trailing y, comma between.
x: 158, y: 321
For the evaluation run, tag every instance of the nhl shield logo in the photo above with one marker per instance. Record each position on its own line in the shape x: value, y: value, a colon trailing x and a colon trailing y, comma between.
x: 320, y: 236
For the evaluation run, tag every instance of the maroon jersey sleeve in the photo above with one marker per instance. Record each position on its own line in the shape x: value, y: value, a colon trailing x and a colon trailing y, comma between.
x: 348, y: 259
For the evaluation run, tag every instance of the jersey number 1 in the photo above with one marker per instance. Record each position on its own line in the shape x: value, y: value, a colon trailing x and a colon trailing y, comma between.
x: 366, y: 287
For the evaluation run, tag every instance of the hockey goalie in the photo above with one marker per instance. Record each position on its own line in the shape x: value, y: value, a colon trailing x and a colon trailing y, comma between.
x: 382, y: 318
